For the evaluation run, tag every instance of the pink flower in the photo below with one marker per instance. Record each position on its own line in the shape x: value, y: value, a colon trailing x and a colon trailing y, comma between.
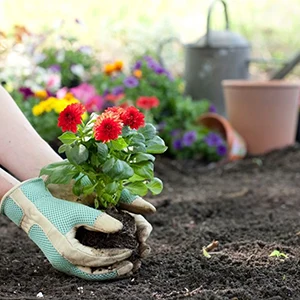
x: 53, y: 82
x: 61, y: 93
x: 94, y: 104
x: 83, y: 92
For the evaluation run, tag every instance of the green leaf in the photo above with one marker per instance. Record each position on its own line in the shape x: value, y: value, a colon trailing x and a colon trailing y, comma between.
x: 137, y: 147
x: 77, y: 188
x: 119, y: 144
x: 137, y: 188
x: 47, y: 170
x: 126, y: 131
x: 142, y: 157
x: 67, y: 138
x: 108, y: 165
x: 94, y: 160
x: 205, y: 253
x: 148, y: 131
x: 111, y: 188
x: 126, y: 173
x: 138, y: 138
x: 120, y: 170
x: 155, y: 186
x: 135, y: 178
x: 62, y: 149
x: 61, y: 174
x: 156, y: 145
x: 278, y: 254
x: 77, y: 154
x: 102, y: 150
x: 88, y: 189
x: 144, y: 169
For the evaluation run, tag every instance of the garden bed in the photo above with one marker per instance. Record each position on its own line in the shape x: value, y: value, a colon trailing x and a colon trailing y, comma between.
x: 251, y: 207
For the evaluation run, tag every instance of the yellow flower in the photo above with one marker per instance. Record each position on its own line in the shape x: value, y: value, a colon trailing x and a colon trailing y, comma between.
x: 109, y: 69
x: 42, y: 94
x: 37, y: 110
x: 118, y: 65
x: 9, y: 87
x: 69, y: 97
x: 49, y: 104
x: 61, y: 104
x: 138, y: 73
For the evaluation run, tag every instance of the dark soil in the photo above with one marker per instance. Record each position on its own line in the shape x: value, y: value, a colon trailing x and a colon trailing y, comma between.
x: 125, y: 238
x: 250, y: 207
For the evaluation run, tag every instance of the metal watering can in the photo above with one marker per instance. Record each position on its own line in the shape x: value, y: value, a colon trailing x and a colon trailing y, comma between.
x: 216, y: 56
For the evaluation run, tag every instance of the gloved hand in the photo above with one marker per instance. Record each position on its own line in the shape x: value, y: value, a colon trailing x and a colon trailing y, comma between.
x: 51, y: 223
x: 131, y: 203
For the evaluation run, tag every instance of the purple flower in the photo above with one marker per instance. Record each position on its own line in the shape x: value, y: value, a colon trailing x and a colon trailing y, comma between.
x: 118, y: 90
x: 213, y: 140
x: 27, y: 92
x: 85, y: 50
x: 177, y: 144
x: 175, y: 132
x: 212, y: 109
x: 221, y: 150
x: 189, y: 138
x: 131, y: 82
x: 54, y: 68
x: 155, y: 66
x: 137, y: 65
x: 106, y: 92
x: 161, y: 126
x: 148, y: 58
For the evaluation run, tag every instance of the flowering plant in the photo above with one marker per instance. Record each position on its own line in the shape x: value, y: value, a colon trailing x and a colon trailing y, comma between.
x: 41, y: 108
x: 106, y: 154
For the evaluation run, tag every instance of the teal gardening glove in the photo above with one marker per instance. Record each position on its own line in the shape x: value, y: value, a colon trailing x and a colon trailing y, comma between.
x: 132, y: 204
x: 51, y: 223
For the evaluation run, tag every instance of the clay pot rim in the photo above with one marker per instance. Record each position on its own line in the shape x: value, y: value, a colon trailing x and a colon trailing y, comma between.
x: 259, y: 84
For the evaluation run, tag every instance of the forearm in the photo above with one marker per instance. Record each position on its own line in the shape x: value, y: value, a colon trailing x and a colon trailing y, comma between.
x: 22, y: 151
x: 6, y: 182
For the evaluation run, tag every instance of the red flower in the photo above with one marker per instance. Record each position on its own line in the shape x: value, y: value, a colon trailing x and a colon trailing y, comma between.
x: 147, y: 102
x: 116, y: 110
x: 133, y: 118
x: 70, y: 117
x: 114, y: 98
x: 108, y: 126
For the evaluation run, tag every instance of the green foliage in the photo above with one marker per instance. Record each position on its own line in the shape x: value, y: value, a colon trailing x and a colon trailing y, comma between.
x: 45, y: 124
x: 70, y: 57
x: 278, y: 254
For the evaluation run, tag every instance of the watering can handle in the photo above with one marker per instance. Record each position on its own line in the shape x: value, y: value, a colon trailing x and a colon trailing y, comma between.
x: 209, y: 16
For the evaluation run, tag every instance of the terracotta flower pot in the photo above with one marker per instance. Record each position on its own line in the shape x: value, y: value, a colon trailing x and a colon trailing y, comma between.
x: 236, y: 146
x: 265, y: 113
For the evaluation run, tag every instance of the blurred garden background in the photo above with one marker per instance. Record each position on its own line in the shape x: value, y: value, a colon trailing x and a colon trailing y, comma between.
x: 105, y: 53
x: 122, y: 28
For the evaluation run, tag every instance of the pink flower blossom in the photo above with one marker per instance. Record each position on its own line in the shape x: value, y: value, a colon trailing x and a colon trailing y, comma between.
x: 83, y: 92
x: 61, y: 93
x: 95, y: 103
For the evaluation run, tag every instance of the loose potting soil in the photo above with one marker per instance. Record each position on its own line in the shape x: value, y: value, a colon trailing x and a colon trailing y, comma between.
x: 251, y: 207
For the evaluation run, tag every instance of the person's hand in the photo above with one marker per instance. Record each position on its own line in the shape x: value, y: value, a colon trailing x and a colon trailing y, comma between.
x: 133, y: 204
x: 52, y: 223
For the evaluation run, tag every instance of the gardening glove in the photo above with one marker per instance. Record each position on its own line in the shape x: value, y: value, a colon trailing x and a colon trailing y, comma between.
x: 52, y: 223
x: 130, y: 203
